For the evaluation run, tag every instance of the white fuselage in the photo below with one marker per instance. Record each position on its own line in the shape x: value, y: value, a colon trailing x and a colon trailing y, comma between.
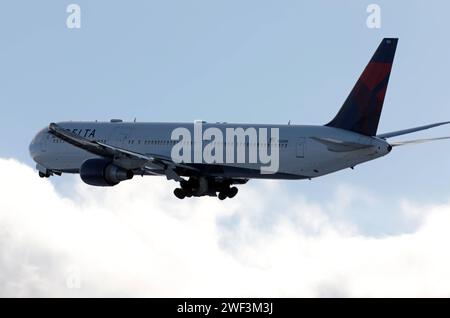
x: 300, y: 154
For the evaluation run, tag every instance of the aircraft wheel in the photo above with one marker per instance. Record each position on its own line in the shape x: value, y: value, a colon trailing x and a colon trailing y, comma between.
x: 187, y: 192
x: 222, y: 195
x: 44, y: 175
x: 179, y: 193
x: 232, y: 192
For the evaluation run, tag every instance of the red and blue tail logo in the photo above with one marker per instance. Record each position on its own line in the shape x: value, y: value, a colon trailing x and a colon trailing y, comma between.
x: 361, y: 110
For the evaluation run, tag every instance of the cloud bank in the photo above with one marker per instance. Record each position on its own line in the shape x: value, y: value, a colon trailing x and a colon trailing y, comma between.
x: 136, y: 239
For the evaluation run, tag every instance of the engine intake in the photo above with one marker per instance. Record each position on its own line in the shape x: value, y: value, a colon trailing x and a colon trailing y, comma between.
x: 102, y: 173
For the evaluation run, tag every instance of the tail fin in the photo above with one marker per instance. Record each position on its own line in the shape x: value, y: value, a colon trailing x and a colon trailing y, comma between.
x: 362, y: 108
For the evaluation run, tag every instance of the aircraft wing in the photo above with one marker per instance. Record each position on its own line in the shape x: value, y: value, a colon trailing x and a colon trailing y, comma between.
x: 121, y: 157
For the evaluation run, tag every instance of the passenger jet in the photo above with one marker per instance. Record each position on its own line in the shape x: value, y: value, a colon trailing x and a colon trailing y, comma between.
x: 212, y: 158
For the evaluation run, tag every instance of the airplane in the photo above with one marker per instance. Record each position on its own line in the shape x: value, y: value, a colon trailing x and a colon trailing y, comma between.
x: 107, y: 153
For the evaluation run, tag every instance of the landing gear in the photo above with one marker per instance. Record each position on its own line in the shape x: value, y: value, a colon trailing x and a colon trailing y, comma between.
x: 179, y: 193
x: 222, y: 195
x: 228, y: 193
x: 232, y: 192
x: 44, y: 175
x: 201, y: 186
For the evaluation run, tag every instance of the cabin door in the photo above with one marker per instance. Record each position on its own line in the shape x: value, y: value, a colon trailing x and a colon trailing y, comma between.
x: 300, y: 147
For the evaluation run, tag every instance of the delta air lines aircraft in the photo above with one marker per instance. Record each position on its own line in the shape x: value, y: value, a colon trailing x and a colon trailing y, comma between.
x: 212, y: 158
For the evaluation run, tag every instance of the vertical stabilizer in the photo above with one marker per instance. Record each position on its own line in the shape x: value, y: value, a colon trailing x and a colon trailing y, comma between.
x: 362, y: 109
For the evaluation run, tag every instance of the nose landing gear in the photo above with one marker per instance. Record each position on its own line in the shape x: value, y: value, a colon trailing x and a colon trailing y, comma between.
x: 44, y: 174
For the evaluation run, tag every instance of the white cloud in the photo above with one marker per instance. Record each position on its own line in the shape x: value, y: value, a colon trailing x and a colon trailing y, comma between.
x: 136, y: 239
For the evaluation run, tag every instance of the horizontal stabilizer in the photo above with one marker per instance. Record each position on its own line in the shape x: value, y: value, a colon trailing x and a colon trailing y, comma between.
x: 410, y: 130
x: 416, y: 141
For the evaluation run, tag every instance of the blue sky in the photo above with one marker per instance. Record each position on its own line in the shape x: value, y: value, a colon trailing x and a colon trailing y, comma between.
x: 235, y: 61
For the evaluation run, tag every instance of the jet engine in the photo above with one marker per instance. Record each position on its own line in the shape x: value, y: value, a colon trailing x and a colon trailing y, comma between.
x: 102, y: 173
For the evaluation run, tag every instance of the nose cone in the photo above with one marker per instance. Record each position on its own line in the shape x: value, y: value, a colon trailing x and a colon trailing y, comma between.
x: 36, y: 146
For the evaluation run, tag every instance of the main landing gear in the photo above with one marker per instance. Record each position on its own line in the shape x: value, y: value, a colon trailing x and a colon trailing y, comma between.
x: 228, y: 193
x: 200, y: 186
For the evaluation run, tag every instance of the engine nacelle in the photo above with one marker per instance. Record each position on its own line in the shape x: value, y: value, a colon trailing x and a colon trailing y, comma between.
x: 102, y: 173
